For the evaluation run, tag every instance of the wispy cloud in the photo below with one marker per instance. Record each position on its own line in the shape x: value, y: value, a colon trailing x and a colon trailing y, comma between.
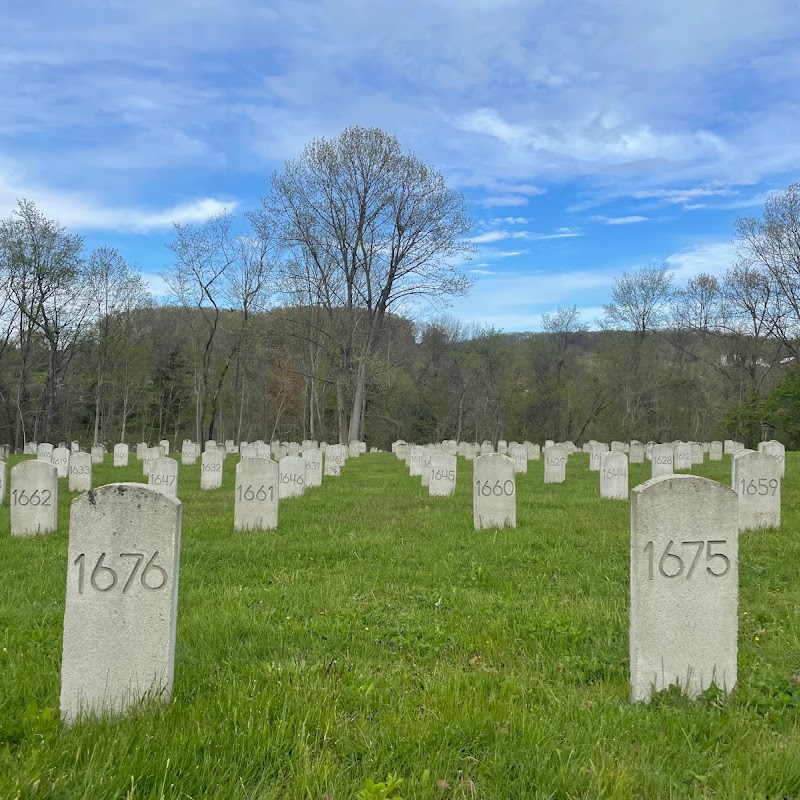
x: 502, y: 235
x: 619, y: 220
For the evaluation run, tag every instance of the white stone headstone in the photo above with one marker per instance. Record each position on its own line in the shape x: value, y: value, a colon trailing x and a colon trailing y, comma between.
x: 75, y: 447
x: 681, y: 456
x: 757, y: 482
x: 122, y: 599
x: 292, y: 477
x: 534, y: 451
x: 614, y: 475
x: 734, y: 458
x: 150, y: 455
x: 313, y: 461
x: 596, y: 450
x: 555, y: 464
x: 44, y: 452
x: 698, y: 453
x: 98, y: 454
x: 80, y: 472
x: 519, y: 455
x: 163, y: 476
x: 263, y: 450
x: 494, y: 496
x: 60, y: 460
x: 684, y: 586
x: 617, y: 447
x: 417, y: 461
x: 121, y: 453
x: 636, y: 453
x: 662, y: 457
x: 256, y: 495
x: 188, y: 454
x: 715, y: 451
x: 3, y: 479
x: 210, y: 444
x: 211, y: 470
x: 777, y: 451
x: 34, y: 498
x: 442, y: 481
x: 164, y: 444
x: 141, y: 450
x: 334, y: 460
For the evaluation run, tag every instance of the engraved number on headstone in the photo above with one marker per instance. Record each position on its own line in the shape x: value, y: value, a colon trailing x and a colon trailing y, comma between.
x: 290, y: 477
x: 444, y: 475
x: 166, y: 480
x: 259, y: 494
x: 671, y: 565
x: 214, y: 467
x: 104, y: 578
x: 555, y: 462
x: 663, y: 459
x: 486, y: 488
x: 22, y: 498
x: 763, y: 487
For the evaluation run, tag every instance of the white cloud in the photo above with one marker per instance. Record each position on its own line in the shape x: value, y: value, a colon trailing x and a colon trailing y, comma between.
x: 713, y: 258
x: 502, y: 235
x: 619, y: 220
x: 497, y: 201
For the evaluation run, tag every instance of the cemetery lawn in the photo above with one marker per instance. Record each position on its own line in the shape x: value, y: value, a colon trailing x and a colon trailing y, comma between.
x: 377, y: 633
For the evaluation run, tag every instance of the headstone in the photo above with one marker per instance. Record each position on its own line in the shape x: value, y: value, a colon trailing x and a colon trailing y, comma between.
x: 256, y: 495
x: 519, y: 455
x: 555, y: 464
x: 60, y: 460
x: 442, y: 481
x: 188, y: 454
x: 292, y: 475
x: 681, y: 456
x: 617, y: 447
x: 777, y: 451
x: 44, y: 452
x: 211, y: 470
x: 34, y: 498
x: 502, y: 447
x: 549, y: 443
x: 614, y: 475
x: 150, y: 455
x: 122, y: 598
x: 249, y: 451
x: 74, y: 447
x: 662, y: 457
x: 210, y: 445
x: 262, y: 450
x: 729, y: 447
x: 596, y: 450
x: 637, y: 451
x: 230, y: 446
x: 757, y: 482
x: 121, y: 453
x: 164, y: 443
x: 494, y: 496
x: 684, y: 586
x: 334, y: 460
x: 313, y: 461
x: 80, y: 472
x: 715, y: 451
x: 141, y: 450
x: 3, y: 478
x: 734, y: 458
x: 30, y: 449
x: 534, y: 451
x: 425, y: 475
x: 98, y: 454
x: 163, y: 476
x: 698, y: 454
x: 417, y: 461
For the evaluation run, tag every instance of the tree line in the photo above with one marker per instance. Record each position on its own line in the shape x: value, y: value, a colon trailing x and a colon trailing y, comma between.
x: 297, y: 320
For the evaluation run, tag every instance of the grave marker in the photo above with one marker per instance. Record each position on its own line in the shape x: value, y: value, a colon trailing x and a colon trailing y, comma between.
x: 163, y: 476
x: 60, y: 460
x: 80, y: 472
x: 519, y: 455
x: 121, y: 454
x: 292, y: 475
x: 211, y: 470
x: 715, y: 451
x: 757, y: 482
x: 494, y: 496
x: 681, y: 456
x: 188, y: 454
x: 777, y: 451
x: 614, y: 475
x: 256, y: 495
x: 662, y: 457
x: 684, y: 586
x: 555, y: 464
x: 313, y: 460
x: 122, y: 597
x: 34, y: 498
x: 442, y: 482
x: 596, y: 450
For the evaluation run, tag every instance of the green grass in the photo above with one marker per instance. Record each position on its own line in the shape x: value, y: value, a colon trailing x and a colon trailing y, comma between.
x: 376, y: 632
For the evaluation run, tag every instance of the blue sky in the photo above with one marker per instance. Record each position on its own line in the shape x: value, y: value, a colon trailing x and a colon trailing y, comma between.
x: 588, y: 137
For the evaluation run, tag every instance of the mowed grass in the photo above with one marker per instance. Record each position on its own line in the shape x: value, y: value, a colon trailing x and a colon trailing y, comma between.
x: 376, y: 632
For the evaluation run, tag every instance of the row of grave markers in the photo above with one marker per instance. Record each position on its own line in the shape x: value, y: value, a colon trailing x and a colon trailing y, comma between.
x: 123, y: 565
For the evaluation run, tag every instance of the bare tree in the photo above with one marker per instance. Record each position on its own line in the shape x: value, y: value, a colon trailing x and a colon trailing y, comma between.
x: 640, y: 302
x: 44, y: 265
x: 375, y: 227
x: 220, y: 278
